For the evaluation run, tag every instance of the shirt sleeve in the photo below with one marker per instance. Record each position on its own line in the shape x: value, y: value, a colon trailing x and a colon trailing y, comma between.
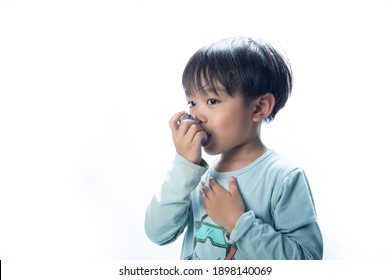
x: 167, y: 214
x: 295, y: 233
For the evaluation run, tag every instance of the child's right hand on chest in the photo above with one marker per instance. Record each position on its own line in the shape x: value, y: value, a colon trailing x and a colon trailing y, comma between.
x: 187, y: 137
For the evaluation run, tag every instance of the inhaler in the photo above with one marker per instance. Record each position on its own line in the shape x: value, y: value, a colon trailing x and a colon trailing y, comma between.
x: 207, y: 139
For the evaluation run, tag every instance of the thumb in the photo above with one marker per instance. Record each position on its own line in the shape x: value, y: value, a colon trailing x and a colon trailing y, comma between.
x: 233, y: 186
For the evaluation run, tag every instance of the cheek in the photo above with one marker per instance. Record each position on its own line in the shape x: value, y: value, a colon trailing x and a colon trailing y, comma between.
x: 231, y: 128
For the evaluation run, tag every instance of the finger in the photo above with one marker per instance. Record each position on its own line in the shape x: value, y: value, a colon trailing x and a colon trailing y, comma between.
x: 204, y: 190
x: 197, y: 133
x: 215, y: 187
x: 207, y: 191
x: 233, y: 186
x: 202, y: 193
x: 204, y: 197
x: 206, y: 207
x: 173, y: 122
x: 199, y: 136
x: 189, y: 127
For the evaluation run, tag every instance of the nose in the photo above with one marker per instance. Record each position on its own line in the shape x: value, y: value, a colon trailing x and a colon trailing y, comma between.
x: 199, y: 116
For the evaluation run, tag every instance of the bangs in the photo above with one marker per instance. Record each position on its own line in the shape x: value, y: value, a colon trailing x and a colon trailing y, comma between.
x: 206, y: 72
x: 200, y: 81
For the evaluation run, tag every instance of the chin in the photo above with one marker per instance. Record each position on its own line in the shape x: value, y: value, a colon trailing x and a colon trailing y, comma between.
x: 210, y: 151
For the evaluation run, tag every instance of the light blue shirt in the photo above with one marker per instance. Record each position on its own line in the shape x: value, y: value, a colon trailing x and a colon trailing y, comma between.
x: 279, y: 222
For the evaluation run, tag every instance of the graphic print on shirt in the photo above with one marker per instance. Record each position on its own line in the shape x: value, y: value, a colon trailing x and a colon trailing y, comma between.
x: 215, y: 235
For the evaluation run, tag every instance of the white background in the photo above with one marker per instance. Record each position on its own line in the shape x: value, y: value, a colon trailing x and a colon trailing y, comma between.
x: 87, y: 89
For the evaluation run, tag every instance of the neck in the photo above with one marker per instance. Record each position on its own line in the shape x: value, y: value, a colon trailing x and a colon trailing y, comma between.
x: 240, y: 157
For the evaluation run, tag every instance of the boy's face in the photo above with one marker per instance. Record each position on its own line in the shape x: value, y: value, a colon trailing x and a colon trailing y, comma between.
x: 226, y: 118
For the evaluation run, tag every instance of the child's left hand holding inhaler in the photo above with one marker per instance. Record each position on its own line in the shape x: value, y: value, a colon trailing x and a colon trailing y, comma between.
x: 187, y: 136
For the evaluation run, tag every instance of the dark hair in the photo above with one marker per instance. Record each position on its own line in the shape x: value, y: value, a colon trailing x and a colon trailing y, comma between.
x: 240, y: 64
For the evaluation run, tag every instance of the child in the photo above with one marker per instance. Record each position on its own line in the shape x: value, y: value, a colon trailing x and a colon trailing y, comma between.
x: 251, y: 203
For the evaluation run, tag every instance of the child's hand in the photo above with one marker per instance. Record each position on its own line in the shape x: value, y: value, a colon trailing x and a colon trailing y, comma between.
x: 223, y: 207
x: 187, y: 137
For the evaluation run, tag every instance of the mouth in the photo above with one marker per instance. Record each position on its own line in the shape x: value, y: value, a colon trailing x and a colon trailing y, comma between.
x: 206, y: 141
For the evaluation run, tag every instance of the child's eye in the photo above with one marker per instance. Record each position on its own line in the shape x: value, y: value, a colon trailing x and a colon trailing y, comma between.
x: 191, y: 104
x: 212, y: 101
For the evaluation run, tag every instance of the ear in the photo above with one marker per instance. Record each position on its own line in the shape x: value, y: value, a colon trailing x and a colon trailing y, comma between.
x: 263, y: 107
